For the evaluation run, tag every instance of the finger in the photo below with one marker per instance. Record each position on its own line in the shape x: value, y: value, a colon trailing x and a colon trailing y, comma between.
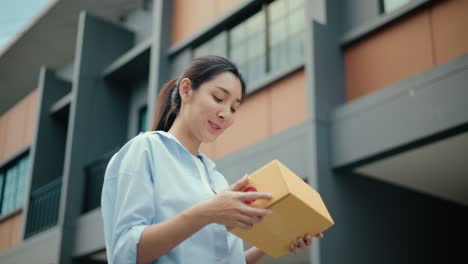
x: 293, y: 249
x: 258, y: 212
x: 248, y: 196
x: 247, y: 219
x: 308, y: 240
x: 301, y: 243
x: 319, y: 235
x: 243, y: 225
x: 240, y: 184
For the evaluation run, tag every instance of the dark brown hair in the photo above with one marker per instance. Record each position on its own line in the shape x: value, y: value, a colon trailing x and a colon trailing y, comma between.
x: 201, y: 69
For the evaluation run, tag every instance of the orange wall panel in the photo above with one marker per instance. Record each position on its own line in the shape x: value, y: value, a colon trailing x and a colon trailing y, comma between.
x: 251, y: 125
x: 16, y: 226
x: 384, y: 58
x: 449, y: 24
x: 3, y: 126
x: 10, y: 231
x: 15, y: 128
x: 265, y: 113
x: 190, y: 16
x: 289, y: 102
x: 5, y: 234
x: 224, y: 6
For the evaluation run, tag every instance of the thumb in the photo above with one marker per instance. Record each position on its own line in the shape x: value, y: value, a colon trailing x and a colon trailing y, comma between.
x: 240, y: 184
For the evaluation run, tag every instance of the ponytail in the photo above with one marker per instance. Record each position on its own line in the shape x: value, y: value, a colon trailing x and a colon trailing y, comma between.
x: 167, y: 107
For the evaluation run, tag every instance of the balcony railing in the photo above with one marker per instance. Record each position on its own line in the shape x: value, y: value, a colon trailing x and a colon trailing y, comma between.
x: 44, y: 208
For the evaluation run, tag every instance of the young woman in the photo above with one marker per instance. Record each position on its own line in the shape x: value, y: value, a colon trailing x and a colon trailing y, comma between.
x: 162, y: 199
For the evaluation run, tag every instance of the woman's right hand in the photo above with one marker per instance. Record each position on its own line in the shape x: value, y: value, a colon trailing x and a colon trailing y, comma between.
x: 230, y: 209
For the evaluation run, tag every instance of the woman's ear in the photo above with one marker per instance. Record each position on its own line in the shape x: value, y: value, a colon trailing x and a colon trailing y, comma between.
x: 185, y: 89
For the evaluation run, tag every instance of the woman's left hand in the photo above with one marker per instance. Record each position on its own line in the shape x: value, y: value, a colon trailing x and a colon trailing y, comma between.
x: 302, y: 243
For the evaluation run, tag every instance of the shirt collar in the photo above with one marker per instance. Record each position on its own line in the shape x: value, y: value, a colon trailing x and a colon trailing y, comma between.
x: 207, y: 161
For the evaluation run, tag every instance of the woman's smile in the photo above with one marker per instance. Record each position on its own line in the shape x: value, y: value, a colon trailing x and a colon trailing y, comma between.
x: 215, y: 128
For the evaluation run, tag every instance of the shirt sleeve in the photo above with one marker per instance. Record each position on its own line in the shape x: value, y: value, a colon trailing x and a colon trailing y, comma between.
x: 128, y: 200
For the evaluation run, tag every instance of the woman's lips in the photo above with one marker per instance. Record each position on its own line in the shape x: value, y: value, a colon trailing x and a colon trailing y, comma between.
x: 214, y: 127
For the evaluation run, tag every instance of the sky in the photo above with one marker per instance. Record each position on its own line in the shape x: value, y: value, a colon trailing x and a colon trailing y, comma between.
x: 15, y: 14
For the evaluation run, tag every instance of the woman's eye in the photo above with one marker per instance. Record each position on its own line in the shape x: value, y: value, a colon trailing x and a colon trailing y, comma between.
x: 219, y: 100
x: 233, y: 110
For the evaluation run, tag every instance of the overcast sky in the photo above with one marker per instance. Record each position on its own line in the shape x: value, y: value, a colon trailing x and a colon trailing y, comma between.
x: 15, y: 14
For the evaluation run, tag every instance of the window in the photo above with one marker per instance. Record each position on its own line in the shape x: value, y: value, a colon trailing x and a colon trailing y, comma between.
x: 215, y: 46
x: 390, y: 5
x: 270, y: 40
x: 13, y: 185
x: 286, y: 32
x: 142, y: 119
x: 247, y: 47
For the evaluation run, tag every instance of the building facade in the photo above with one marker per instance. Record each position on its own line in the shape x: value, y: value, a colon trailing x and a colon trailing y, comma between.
x: 365, y: 100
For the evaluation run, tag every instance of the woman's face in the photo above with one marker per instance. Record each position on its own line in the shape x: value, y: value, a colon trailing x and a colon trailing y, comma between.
x: 211, y: 108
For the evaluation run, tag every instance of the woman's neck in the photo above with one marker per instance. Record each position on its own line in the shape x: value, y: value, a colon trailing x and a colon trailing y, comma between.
x: 191, y: 143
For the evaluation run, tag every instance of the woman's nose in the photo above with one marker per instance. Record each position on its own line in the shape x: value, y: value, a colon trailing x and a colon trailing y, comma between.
x: 221, y: 115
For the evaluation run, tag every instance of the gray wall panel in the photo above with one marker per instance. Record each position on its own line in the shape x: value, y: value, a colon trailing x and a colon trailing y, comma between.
x: 41, y: 249
x: 98, y: 115
x: 427, y: 104
x: 49, y: 142
x: 376, y: 222
x: 356, y: 13
x: 66, y: 72
x: 160, y: 66
x: 141, y: 22
x: 89, y: 234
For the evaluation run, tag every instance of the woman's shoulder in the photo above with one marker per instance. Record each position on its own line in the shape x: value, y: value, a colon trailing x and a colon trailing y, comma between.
x: 145, y: 142
x: 138, y: 153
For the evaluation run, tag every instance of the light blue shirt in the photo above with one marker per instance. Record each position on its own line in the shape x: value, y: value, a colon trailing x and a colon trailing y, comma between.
x: 154, y: 178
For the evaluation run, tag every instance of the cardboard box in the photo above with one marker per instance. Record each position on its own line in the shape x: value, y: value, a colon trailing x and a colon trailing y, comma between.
x: 297, y: 209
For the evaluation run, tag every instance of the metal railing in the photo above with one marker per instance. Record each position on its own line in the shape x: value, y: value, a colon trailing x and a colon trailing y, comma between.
x: 43, y: 208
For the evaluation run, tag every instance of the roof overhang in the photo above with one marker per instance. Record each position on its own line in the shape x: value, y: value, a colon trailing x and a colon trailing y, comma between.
x: 49, y: 39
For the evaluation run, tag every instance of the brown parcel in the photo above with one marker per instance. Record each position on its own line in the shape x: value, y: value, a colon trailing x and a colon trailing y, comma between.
x: 297, y: 209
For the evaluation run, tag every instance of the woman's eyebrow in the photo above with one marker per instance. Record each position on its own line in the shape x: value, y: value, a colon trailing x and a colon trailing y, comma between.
x: 226, y: 91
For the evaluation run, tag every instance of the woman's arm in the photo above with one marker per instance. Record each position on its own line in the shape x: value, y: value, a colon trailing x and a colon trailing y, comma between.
x: 227, y: 208
x: 156, y: 240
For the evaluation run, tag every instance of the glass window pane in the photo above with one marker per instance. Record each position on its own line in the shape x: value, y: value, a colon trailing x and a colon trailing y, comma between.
x: 390, y: 5
x: 142, y: 119
x: 10, y: 190
x: 215, y: 46
x: 2, y: 180
x: 21, y: 181
x: 296, y: 4
x: 296, y: 22
x: 238, y: 54
x: 286, y: 41
x: 277, y: 9
x: 219, y: 44
x: 296, y: 49
x: 256, y: 45
x: 237, y: 34
x: 278, y: 32
x: 255, y: 24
